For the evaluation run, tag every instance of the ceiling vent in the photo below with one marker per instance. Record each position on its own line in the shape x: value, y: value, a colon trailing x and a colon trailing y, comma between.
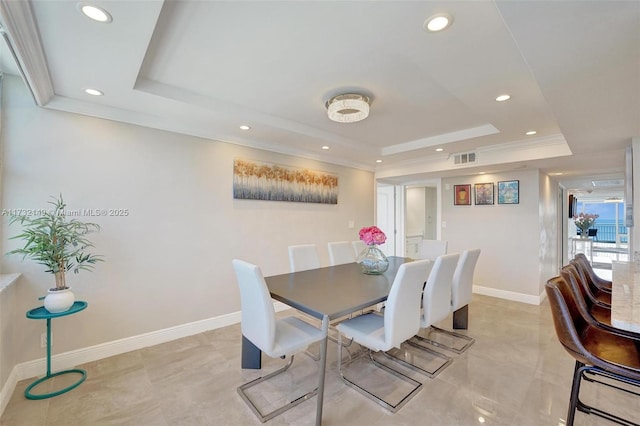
x: 464, y: 158
x: 607, y: 182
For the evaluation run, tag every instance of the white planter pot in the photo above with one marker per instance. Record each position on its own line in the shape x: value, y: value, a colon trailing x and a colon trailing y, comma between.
x: 59, y: 300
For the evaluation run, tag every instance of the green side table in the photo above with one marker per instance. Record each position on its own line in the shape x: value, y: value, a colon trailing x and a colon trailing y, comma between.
x: 42, y: 313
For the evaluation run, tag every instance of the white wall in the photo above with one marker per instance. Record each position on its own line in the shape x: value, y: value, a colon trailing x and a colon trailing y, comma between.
x: 509, y: 235
x: 169, y: 261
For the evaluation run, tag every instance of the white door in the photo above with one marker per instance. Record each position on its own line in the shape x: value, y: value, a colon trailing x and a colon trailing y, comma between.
x: 386, y: 218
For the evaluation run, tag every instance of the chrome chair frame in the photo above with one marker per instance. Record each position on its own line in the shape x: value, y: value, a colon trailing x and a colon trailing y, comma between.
x: 268, y: 416
x: 417, y: 386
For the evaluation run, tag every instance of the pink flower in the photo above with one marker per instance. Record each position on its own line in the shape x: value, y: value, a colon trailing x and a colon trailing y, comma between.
x: 372, y: 235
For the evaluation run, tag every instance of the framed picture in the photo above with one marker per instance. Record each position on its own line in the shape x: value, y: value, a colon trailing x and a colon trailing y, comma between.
x: 509, y: 192
x: 257, y: 180
x: 462, y: 195
x: 484, y: 194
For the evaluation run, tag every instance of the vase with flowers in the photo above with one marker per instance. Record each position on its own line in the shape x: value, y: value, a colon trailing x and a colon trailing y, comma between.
x: 372, y: 259
x: 583, y: 222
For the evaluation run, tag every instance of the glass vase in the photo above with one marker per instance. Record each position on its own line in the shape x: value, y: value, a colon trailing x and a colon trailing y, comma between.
x: 373, y: 261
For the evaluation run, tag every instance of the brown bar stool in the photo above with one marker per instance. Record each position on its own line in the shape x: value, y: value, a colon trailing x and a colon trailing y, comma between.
x: 582, y: 263
x: 597, y: 352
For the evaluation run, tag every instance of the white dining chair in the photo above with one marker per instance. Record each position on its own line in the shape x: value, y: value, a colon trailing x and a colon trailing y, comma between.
x: 431, y: 249
x: 358, y: 247
x: 341, y: 252
x: 436, y: 306
x: 381, y: 332
x: 461, y: 293
x: 303, y: 257
x: 276, y: 338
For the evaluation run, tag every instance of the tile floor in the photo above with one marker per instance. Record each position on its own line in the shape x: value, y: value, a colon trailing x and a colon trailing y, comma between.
x: 516, y: 373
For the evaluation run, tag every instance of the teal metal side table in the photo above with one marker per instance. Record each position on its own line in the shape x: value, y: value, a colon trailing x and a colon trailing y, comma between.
x: 42, y: 313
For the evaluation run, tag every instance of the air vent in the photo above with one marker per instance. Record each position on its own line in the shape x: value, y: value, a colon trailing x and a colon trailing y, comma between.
x: 607, y: 182
x: 464, y: 158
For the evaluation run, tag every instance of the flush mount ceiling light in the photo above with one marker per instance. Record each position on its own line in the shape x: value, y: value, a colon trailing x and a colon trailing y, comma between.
x: 348, y: 108
x: 94, y: 12
x: 531, y: 133
x: 503, y: 98
x: 245, y: 127
x: 438, y: 22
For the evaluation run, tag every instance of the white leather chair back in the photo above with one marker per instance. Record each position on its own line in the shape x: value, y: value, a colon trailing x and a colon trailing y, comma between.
x: 431, y: 249
x: 341, y: 252
x: 402, y: 308
x: 463, y: 279
x: 258, y: 315
x: 303, y: 257
x: 358, y: 247
x: 436, y: 298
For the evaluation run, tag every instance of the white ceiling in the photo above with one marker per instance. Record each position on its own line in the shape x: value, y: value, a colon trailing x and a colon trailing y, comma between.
x: 206, y: 67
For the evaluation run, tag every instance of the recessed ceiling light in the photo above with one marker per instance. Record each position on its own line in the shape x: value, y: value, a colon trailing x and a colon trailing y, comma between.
x: 439, y: 149
x: 94, y: 12
x: 481, y: 173
x: 325, y: 147
x: 93, y: 92
x: 531, y: 133
x: 378, y: 161
x: 503, y: 98
x: 245, y: 127
x: 438, y: 22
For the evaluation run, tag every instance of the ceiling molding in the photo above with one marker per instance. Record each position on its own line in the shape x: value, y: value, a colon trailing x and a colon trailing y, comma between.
x: 20, y: 31
x: 500, y: 154
x: 460, y: 135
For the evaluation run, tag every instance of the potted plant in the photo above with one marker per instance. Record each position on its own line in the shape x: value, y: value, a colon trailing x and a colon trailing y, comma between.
x: 59, y: 244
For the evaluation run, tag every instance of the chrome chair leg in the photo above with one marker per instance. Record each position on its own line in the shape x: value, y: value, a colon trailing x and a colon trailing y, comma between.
x: 417, y: 386
x: 469, y: 340
x: 395, y: 355
x: 265, y: 417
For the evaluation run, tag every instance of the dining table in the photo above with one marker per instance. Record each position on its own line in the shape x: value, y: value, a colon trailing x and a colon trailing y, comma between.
x: 327, y: 294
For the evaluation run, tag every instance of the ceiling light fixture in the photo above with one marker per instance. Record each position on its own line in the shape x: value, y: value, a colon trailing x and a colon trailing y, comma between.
x: 503, y: 98
x: 531, y: 133
x: 438, y: 22
x: 439, y: 149
x: 325, y: 147
x: 93, y: 92
x: 245, y: 127
x: 348, y: 108
x: 378, y: 161
x: 94, y: 12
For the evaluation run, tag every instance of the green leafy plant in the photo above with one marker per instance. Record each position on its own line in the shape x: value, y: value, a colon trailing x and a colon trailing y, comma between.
x: 55, y: 241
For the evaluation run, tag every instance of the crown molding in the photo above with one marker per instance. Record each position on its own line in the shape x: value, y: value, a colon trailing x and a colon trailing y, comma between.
x: 20, y: 31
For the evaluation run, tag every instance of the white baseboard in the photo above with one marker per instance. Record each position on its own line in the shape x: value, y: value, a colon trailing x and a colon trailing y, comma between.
x: 70, y: 359
x: 509, y: 295
x: 7, y: 390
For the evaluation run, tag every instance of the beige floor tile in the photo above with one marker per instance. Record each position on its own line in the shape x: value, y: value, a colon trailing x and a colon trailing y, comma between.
x: 516, y: 373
